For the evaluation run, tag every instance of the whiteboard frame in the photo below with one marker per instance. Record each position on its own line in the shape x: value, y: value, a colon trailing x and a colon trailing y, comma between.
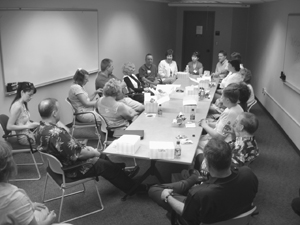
x: 49, y: 9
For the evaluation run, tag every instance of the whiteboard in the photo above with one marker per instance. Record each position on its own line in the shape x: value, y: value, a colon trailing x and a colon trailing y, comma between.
x: 44, y: 47
x: 291, y: 66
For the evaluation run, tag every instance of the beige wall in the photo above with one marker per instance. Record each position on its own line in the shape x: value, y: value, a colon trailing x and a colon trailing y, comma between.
x: 127, y: 31
x: 266, y: 54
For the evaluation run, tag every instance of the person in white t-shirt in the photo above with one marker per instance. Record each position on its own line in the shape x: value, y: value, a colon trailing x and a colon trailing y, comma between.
x: 167, y: 68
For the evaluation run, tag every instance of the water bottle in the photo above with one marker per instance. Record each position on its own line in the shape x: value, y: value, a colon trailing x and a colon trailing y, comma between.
x: 159, y: 110
x: 192, y: 116
x: 201, y: 94
x: 187, y: 68
x: 177, y: 152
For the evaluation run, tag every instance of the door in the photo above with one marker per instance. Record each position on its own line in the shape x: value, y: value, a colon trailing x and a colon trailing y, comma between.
x: 198, y: 34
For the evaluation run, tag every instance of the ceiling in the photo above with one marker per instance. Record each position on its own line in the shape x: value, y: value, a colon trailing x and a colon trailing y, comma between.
x: 217, y: 2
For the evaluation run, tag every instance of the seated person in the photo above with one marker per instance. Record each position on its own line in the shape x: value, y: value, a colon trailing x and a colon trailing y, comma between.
x: 80, y: 99
x: 15, y: 205
x: 19, y: 120
x: 247, y: 80
x: 105, y: 75
x: 148, y: 72
x: 244, y: 94
x: 58, y: 142
x: 230, y: 97
x: 134, y: 86
x: 116, y: 113
x: 243, y: 144
x: 226, y: 194
x: 237, y: 56
x: 167, y: 68
x: 221, y: 67
x: 234, y: 76
x: 195, y: 67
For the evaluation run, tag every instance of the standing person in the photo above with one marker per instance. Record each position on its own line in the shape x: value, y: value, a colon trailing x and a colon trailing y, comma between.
x: 105, y: 75
x: 148, y: 72
x: 167, y: 68
x: 81, y: 100
x: 59, y: 143
x: 195, y: 67
x: 19, y: 120
x: 15, y: 205
x: 226, y: 194
x: 221, y: 67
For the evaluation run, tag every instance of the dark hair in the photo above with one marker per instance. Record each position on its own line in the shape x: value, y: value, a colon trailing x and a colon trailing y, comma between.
x: 148, y: 55
x: 169, y: 52
x: 235, y: 64
x: 196, y: 54
x: 236, y: 56
x: 79, y: 76
x: 223, y: 52
x: 46, y: 107
x: 247, y: 76
x: 25, y: 87
x: 244, y: 95
x: 218, y: 154
x: 232, y: 92
x: 7, y: 164
x: 105, y: 63
x: 250, y: 122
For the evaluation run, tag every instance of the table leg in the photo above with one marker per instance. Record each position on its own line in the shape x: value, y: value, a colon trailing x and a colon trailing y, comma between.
x: 152, y: 170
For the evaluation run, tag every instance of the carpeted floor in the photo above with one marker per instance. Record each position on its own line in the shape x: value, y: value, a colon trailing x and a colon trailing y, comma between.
x: 276, y: 168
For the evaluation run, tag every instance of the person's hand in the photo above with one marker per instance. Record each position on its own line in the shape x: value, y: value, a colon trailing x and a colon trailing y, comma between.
x: 38, y: 206
x: 32, y: 125
x: 165, y: 193
x: 146, y: 89
x: 51, y: 217
x: 99, y: 90
x: 228, y: 129
x: 203, y: 123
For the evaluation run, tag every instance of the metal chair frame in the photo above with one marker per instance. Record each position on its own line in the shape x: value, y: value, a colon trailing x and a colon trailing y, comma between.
x: 27, y: 149
x: 55, y: 166
x: 249, y: 106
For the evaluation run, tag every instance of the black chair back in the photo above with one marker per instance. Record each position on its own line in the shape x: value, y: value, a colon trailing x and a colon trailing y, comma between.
x: 3, y: 121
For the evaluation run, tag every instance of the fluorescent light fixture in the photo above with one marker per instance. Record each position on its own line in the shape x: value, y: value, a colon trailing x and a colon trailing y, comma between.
x: 208, y: 5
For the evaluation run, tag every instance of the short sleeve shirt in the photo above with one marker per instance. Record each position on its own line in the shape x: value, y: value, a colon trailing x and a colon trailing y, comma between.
x: 221, y: 66
x: 74, y: 91
x: 150, y: 73
x: 102, y: 79
x: 166, y: 69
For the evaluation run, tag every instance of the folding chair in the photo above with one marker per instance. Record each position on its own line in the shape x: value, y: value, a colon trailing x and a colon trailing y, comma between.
x: 56, y: 171
x: 17, y: 148
x: 251, y: 104
x: 77, y: 124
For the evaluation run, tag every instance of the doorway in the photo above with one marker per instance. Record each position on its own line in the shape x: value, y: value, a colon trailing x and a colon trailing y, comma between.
x: 198, y: 35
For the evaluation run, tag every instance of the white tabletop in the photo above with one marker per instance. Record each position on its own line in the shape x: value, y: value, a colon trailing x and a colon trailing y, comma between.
x: 161, y: 128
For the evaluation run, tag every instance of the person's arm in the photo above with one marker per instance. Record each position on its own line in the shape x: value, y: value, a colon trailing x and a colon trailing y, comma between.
x: 131, y: 87
x: 201, y: 69
x: 126, y: 112
x: 95, y: 94
x: 211, y: 131
x: 15, y: 112
x: 161, y: 70
x: 48, y: 220
x: 176, y: 205
x: 175, y: 69
x: 86, y: 153
x: 84, y: 101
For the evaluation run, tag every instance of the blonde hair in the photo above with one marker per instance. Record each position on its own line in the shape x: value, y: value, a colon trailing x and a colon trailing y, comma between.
x: 128, y: 68
x: 7, y: 164
x: 112, y: 88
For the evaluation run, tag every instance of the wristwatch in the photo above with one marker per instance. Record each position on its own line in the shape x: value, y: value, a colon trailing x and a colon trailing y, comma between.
x: 166, y: 198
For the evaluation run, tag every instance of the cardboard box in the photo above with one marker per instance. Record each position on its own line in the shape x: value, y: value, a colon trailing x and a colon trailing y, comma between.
x: 128, y: 144
x: 161, y: 150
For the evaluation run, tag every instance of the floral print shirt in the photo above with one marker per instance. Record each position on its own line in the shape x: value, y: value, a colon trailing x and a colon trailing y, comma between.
x: 244, y: 150
x: 59, y: 143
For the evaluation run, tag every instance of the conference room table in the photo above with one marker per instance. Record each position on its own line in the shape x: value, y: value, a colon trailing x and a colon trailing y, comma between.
x: 161, y: 128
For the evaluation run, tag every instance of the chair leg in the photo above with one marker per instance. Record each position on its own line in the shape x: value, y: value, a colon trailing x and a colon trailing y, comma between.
x: 61, y: 204
x: 100, y: 200
x: 45, y: 186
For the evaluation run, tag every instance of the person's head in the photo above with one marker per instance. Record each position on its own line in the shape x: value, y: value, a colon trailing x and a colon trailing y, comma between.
x: 8, y: 167
x: 81, y: 77
x: 247, y: 75
x: 222, y: 56
x: 128, y: 68
x: 234, y: 66
x: 244, y: 94
x: 195, y: 56
x: 149, y: 59
x: 169, y: 55
x: 107, y: 66
x: 25, y: 92
x: 246, y: 122
x: 112, y: 88
x: 230, y: 95
x: 217, y: 154
x: 49, y: 109
x: 236, y: 56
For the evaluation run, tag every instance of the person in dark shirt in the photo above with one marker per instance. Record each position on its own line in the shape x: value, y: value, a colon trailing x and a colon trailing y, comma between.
x: 226, y: 194
x: 148, y: 72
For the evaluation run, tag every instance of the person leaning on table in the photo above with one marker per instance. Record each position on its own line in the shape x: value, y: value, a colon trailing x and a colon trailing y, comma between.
x: 15, y: 205
x: 58, y: 142
x: 167, y: 68
x: 195, y: 67
x: 226, y: 194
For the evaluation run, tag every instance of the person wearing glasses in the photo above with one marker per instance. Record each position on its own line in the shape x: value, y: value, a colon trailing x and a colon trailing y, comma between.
x: 81, y: 100
x: 195, y: 67
x: 167, y: 68
x: 19, y: 120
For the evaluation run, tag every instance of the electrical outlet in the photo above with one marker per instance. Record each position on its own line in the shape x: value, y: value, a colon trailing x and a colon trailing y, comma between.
x: 264, y: 90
